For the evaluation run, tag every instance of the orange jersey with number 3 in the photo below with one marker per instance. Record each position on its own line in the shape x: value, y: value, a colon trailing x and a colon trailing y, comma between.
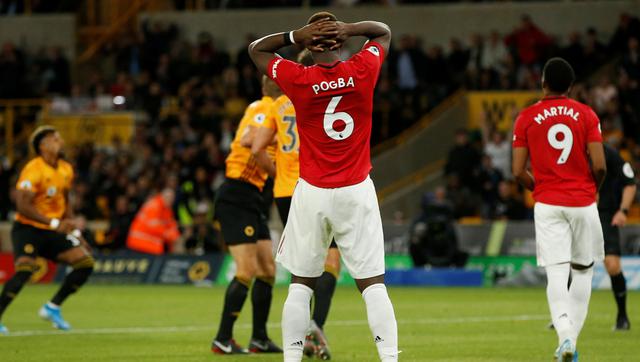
x: 241, y: 165
x: 282, y: 119
x: 49, y: 185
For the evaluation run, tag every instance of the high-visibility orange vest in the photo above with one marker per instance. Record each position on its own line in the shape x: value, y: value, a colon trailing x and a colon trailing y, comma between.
x: 153, y: 226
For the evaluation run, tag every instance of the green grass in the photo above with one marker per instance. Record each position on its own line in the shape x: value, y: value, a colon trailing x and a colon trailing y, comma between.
x: 135, y: 323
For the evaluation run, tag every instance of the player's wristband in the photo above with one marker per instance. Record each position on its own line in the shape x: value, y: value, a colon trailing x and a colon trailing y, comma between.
x: 288, y: 38
x: 77, y: 233
x: 54, y: 223
x: 625, y: 211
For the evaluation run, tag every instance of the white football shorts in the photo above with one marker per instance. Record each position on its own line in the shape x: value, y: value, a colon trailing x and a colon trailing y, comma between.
x: 568, y: 234
x: 349, y: 214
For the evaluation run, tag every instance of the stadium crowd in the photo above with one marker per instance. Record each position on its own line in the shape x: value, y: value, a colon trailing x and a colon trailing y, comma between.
x: 192, y: 95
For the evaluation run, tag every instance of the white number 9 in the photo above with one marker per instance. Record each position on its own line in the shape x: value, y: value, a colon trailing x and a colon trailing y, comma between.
x: 330, y: 118
x: 565, y: 145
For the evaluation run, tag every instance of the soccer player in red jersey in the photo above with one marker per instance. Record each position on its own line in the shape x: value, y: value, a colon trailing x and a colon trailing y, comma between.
x: 334, y: 198
x: 559, y: 136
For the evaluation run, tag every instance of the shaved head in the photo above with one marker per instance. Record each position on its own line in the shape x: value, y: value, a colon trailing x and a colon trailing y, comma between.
x: 321, y: 15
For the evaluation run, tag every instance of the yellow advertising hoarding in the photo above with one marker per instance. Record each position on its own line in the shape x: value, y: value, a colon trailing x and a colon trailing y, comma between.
x: 100, y: 128
x: 498, y: 108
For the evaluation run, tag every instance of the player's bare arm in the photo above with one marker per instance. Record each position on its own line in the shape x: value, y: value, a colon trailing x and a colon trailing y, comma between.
x: 628, y: 195
x: 315, y: 37
x: 26, y: 207
x: 598, y: 162
x: 263, y: 138
x: 373, y: 30
x: 519, y: 168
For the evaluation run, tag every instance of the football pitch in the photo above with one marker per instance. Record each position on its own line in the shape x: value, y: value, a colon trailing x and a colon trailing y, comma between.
x: 163, y: 323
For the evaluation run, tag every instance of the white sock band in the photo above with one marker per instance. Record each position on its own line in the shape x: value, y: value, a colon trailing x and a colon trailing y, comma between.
x: 382, y: 321
x: 296, y: 317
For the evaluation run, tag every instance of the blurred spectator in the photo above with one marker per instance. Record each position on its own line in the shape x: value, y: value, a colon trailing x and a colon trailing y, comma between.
x: 494, y: 54
x: 628, y: 27
x: 200, y: 238
x: 408, y: 67
x: 462, y: 160
x: 463, y: 201
x: 508, y: 206
x: 528, y: 41
x: 154, y: 229
x: 631, y: 60
x: 488, y: 180
x: 433, y: 241
x: 457, y: 59
x: 119, y: 224
x: 193, y: 193
x: 574, y: 54
x: 595, y: 53
x: 438, y: 81
x: 603, y: 93
x: 498, y: 147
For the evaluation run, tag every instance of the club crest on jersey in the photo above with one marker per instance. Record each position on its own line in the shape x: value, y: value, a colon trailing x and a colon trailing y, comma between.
x: 26, y: 185
x: 374, y: 50
x: 333, y: 84
x: 259, y: 118
x: 51, y: 191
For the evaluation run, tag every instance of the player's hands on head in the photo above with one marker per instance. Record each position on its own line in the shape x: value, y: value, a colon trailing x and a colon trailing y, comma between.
x: 342, y: 35
x: 318, y: 36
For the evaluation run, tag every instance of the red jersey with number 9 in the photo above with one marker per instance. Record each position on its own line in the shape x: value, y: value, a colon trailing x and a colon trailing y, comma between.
x: 556, y: 130
x: 333, y: 104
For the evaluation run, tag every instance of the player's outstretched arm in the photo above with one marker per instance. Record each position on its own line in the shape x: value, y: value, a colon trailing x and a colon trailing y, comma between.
x: 373, y: 30
x: 315, y: 37
x: 598, y: 163
x: 519, y: 167
x: 262, y: 139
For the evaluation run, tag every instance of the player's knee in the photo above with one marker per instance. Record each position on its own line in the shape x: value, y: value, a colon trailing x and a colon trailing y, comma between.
x: 266, y: 267
x: 244, y: 279
x: 85, y: 263
x: 246, y: 273
x: 24, y: 271
x: 612, y: 265
x: 333, y: 269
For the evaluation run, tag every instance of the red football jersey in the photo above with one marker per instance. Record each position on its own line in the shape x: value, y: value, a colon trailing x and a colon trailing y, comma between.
x: 333, y: 106
x: 556, y: 130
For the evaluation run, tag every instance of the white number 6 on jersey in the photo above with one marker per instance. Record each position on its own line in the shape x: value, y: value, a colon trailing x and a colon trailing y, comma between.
x: 564, y: 145
x: 330, y: 118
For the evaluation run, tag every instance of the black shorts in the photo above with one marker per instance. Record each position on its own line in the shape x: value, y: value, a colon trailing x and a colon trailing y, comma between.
x: 611, y: 234
x: 283, y: 204
x: 267, y: 198
x: 238, y: 209
x: 31, y: 241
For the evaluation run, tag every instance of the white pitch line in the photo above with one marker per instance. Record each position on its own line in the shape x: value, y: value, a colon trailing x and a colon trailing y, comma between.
x: 341, y: 323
